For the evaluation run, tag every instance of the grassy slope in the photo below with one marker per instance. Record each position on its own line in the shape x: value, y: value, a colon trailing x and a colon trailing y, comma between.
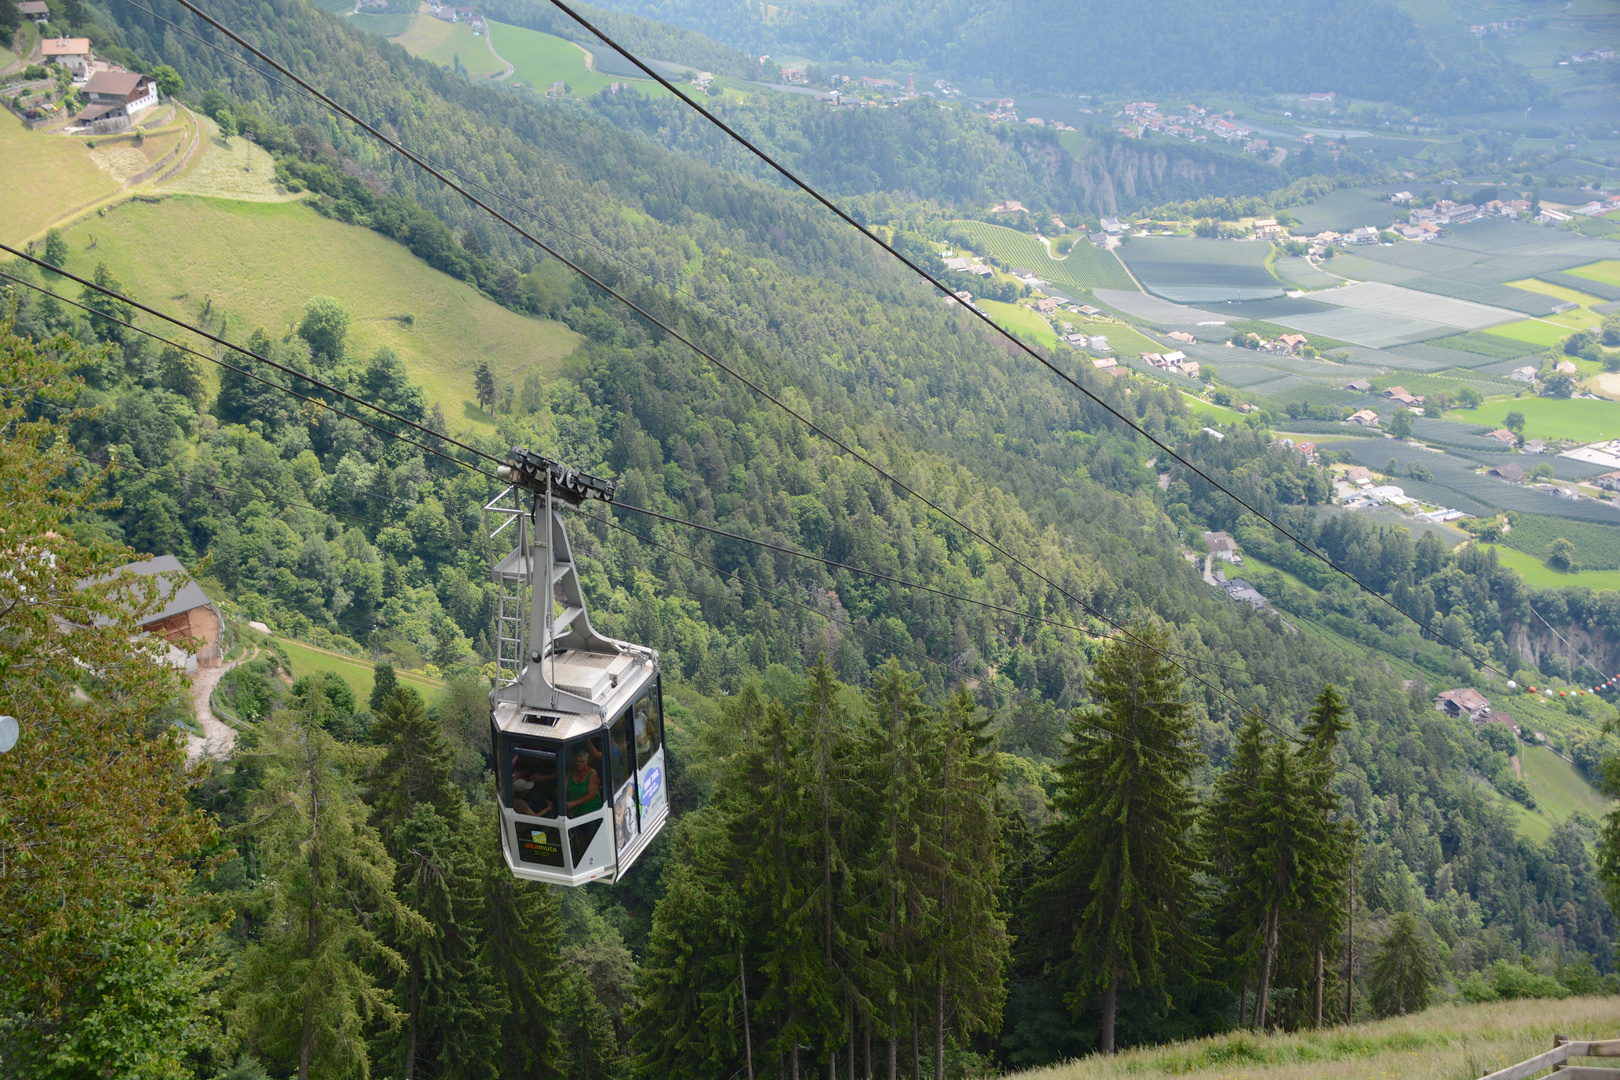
x: 444, y: 42
x: 1558, y: 786
x: 46, y: 176
x: 540, y: 59
x: 1554, y: 418
x: 1444, y: 1042
x: 1538, y: 575
x: 259, y: 263
x: 307, y: 659
x: 1021, y: 320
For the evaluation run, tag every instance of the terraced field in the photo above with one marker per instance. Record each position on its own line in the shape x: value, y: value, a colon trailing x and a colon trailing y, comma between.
x: 1085, y: 267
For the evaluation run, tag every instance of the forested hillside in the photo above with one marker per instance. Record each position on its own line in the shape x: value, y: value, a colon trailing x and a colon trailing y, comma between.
x: 1368, y: 50
x: 889, y: 801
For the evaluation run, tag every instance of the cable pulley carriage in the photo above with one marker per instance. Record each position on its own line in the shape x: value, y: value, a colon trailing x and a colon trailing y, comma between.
x: 577, y: 717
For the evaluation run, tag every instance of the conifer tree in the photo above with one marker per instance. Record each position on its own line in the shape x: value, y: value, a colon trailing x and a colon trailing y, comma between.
x: 1233, y: 830
x: 413, y: 769
x: 453, y: 1011
x: 383, y: 682
x: 1403, y: 971
x: 309, y: 989
x: 1120, y: 888
x: 520, y: 940
x: 1329, y: 837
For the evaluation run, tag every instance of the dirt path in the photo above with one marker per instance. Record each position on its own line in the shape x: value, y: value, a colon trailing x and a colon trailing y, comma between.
x: 489, y: 39
x: 218, y: 738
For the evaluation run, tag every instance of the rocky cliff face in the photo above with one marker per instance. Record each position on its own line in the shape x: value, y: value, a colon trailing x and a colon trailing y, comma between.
x: 1112, y: 174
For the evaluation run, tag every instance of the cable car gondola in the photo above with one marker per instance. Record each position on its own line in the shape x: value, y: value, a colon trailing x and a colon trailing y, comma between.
x: 577, y: 718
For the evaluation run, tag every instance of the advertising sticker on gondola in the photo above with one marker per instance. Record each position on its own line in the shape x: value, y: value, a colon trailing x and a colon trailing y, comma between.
x: 652, y: 782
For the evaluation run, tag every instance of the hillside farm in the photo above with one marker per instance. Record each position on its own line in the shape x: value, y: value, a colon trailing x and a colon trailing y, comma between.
x: 1085, y: 267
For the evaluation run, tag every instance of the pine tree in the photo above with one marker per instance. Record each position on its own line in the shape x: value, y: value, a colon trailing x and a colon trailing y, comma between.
x: 383, y: 682
x: 413, y: 769
x: 1403, y: 971
x: 1120, y: 888
x: 520, y: 941
x: 1233, y: 829
x: 453, y: 1011
x: 310, y: 994
x: 1329, y: 837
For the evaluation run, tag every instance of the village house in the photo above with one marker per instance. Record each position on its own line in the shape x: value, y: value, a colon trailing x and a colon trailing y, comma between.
x: 35, y: 9
x: 1608, y: 481
x: 1292, y: 342
x: 1501, y: 435
x: 1509, y: 472
x: 1103, y: 363
x: 1182, y: 336
x: 1046, y: 305
x: 1222, y: 546
x: 1111, y: 226
x: 1566, y: 367
x: 1364, y: 235
x: 1242, y: 591
x: 1523, y: 374
x: 1534, y: 446
x: 1009, y: 207
x: 1364, y: 418
x: 1398, y: 393
x: 1358, y: 474
x: 1267, y: 229
x: 115, y: 99
x: 1358, y: 385
x: 71, y: 53
x: 1465, y: 701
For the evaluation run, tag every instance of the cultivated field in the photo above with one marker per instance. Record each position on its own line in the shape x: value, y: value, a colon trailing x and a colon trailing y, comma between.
x: 1532, y: 331
x: 1386, y: 299
x: 1085, y: 267
x: 259, y: 262
x: 1192, y: 270
x: 1449, y: 1042
x: 1607, y: 272
x: 446, y: 42
x: 538, y: 60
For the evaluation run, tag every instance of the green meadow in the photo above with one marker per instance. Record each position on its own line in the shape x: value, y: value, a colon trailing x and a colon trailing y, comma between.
x: 255, y: 264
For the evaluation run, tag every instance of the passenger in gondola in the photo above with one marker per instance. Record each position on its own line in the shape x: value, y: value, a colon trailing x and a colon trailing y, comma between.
x: 584, y: 786
x: 532, y: 790
x: 645, y: 734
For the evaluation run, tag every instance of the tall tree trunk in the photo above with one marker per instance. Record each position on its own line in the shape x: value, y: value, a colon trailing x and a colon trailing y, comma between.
x: 916, y: 1046
x: 410, y: 1031
x: 939, y: 1026
x: 748, y: 1038
x: 866, y: 1049
x: 1268, y: 954
x: 1350, y: 950
x: 793, y: 1060
x: 306, y: 1038
x: 1110, y: 1004
x: 849, y: 1047
x: 894, y: 1044
x: 1320, y: 980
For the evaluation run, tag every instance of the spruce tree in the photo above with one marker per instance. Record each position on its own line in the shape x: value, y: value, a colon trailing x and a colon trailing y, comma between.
x: 383, y: 682
x: 414, y: 768
x: 1120, y: 888
x: 1403, y: 971
x: 520, y: 942
x: 1233, y: 830
x: 310, y: 990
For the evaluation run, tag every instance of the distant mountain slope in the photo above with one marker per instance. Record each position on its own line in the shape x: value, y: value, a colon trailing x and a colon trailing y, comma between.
x: 1367, y: 49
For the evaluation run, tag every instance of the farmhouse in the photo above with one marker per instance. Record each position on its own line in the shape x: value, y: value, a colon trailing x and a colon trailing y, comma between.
x: 1103, y: 363
x: 1242, y: 591
x: 1523, y: 374
x: 188, y: 614
x: 1511, y: 473
x: 1364, y: 418
x: 1364, y: 235
x: 71, y: 53
x: 34, y: 9
x: 1503, y: 436
x: 115, y: 98
x: 1182, y: 336
x: 1293, y: 342
x: 1046, y: 305
x: 1358, y: 474
x: 1608, y: 481
x: 1360, y: 385
x: 1267, y: 229
x: 1565, y: 367
x: 1465, y: 701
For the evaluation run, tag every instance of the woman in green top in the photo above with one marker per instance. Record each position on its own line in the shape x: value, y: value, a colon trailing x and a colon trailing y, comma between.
x: 584, y: 788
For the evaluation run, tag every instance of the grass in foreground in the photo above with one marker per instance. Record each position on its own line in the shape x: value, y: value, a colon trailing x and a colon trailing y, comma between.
x: 260, y: 261
x: 1450, y: 1042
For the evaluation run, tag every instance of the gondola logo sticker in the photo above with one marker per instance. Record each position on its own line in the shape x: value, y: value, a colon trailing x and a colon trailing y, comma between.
x: 651, y: 782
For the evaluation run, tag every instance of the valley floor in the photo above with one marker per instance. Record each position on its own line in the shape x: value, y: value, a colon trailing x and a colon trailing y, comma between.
x: 1449, y: 1042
